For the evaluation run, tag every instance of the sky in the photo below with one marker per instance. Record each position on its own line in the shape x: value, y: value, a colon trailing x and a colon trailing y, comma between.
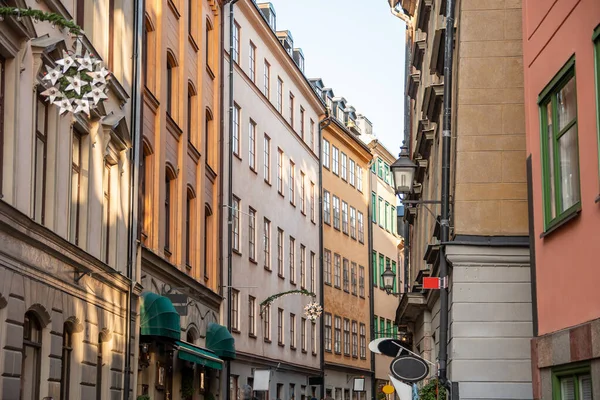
x: 358, y: 51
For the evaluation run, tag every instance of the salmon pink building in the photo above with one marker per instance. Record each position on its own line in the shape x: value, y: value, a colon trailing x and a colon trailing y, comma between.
x: 561, y: 54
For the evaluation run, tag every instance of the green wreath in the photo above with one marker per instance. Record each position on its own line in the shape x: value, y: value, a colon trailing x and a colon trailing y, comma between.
x: 38, y: 15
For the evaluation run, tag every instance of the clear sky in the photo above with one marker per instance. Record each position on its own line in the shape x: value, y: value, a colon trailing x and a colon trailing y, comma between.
x: 357, y: 48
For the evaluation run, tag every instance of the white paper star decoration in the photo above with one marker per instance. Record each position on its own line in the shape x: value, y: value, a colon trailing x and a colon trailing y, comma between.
x: 77, y: 83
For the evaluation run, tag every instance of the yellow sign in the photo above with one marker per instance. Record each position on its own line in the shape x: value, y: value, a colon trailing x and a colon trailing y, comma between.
x: 387, y: 389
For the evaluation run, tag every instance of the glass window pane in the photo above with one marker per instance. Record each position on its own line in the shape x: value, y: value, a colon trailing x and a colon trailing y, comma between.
x: 567, y: 389
x: 566, y: 103
x: 585, y: 387
x: 550, y: 166
x: 569, y: 168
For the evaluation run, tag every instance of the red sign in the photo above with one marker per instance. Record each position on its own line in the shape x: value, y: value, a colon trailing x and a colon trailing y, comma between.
x: 431, y: 283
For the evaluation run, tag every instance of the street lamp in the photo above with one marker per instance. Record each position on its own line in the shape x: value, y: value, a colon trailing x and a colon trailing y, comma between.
x: 389, y: 278
x: 403, y: 171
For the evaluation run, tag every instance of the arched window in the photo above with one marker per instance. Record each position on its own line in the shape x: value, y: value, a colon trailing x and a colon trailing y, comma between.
x: 145, y: 198
x: 208, y: 125
x: 190, y: 229
x: 191, y: 334
x: 99, y: 364
x: 169, y: 202
x: 207, y: 233
x: 191, y: 115
x: 208, y: 43
x: 67, y: 350
x: 171, y: 85
x: 149, y: 54
x: 31, y: 363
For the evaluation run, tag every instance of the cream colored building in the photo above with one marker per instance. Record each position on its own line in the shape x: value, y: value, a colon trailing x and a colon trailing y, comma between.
x: 275, y: 227
x: 64, y: 211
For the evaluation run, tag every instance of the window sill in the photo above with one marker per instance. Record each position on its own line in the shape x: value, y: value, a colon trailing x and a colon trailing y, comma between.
x: 337, y: 287
x: 237, y: 156
x: 293, y: 204
x: 267, y: 182
x: 280, y: 344
x: 173, y: 8
x: 293, y: 348
x: 210, y: 72
x: 281, y: 276
x: 304, y: 351
x: 346, y: 291
x: 328, y: 283
x: 234, y: 251
x: 268, y: 269
x: 281, y: 194
x: 315, y: 354
x: 253, y: 170
x: 252, y: 261
x: 293, y: 283
x: 193, y: 42
x: 326, y: 351
x: 267, y: 340
x: 252, y: 336
x: 303, y: 213
x: 362, y: 297
x: 168, y: 253
x: 564, y: 221
x: 235, y: 330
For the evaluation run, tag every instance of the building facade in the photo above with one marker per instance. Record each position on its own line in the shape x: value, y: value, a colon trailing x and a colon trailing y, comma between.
x: 490, y: 303
x: 384, y: 253
x: 275, y: 222
x: 180, y: 188
x: 561, y: 51
x: 347, y: 298
x: 64, y: 210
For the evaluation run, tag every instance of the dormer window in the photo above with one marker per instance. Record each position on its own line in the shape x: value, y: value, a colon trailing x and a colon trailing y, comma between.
x: 340, y: 113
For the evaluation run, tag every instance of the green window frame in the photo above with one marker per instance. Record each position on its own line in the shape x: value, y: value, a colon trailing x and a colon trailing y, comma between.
x: 373, y: 167
x: 374, y: 207
x: 375, y: 274
x: 560, y: 174
x: 380, y: 168
x: 381, y: 212
x: 596, y: 40
x: 393, y: 220
x: 381, y: 269
x: 375, y: 322
x: 388, y: 328
x: 396, y: 276
x: 382, y: 332
x: 395, y: 331
x: 574, y: 381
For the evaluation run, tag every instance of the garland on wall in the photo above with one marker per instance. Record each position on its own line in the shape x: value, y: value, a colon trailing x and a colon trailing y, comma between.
x: 312, y: 310
x: 38, y: 15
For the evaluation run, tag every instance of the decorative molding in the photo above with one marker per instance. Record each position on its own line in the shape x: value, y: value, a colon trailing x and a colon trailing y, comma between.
x: 466, y: 255
x: 42, y: 314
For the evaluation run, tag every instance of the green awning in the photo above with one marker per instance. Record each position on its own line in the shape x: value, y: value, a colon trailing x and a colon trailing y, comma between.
x: 198, y: 355
x: 158, y: 317
x: 220, y: 341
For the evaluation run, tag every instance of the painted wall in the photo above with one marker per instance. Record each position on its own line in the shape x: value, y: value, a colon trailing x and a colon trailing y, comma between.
x: 566, y: 263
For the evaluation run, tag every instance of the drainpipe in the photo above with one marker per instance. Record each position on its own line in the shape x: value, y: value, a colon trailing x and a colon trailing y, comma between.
x: 407, y: 139
x: 132, y: 245
x: 324, y: 123
x: 230, y: 192
x: 371, y: 269
x: 445, y: 222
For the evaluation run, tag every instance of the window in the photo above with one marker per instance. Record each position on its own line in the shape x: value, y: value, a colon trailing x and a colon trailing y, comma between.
x: 335, y: 167
x: 381, y: 269
x: 325, y: 153
x: 313, y: 271
x: 375, y: 271
x: 280, y: 171
x: 302, y: 266
x: 386, y: 218
x: 75, y: 182
x: 292, y: 183
x: 280, y: 269
x: 171, y: 81
x: 374, y: 207
x: 313, y: 337
x: 354, y: 339
x: 252, y: 145
x: 303, y: 334
x: 292, y: 110
x: 572, y: 383
x: 41, y: 143
x: 252, y: 233
x: 191, y: 106
x: 359, y: 179
x: 346, y: 337
x: 302, y: 123
x: 361, y: 228
x: 327, y: 267
x: 292, y: 260
x: 344, y: 161
x: 352, y: 222
x: 312, y: 202
x: 236, y: 223
x: 279, y: 95
x: 208, y: 140
x: 336, y: 213
x: 236, y: 42
x: 267, y: 323
x: 353, y: 280
x: 190, y: 228
x: 382, y: 332
x: 267, y: 242
x: 302, y: 192
x: 337, y: 338
x: 363, y: 341
x: 208, y: 40
x: 361, y: 281
x: 393, y: 221
x: 169, y: 199
x: 346, y: 275
x: 236, y: 130
x: 380, y: 168
x: 252, y: 62
x: 267, y: 80
x: 207, y: 236
x: 352, y: 170
x: 251, y: 316
x: 327, y: 332
x: 560, y: 160
x: 345, y: 217
x: 235, y: 306
x: 381, y: 213
x: 596, y: 38
x: 292, y: 331
x: 2, y: 101
x: 67, y: 350
x: 191, y: 17
x: 267, y: 158
x: 326, y: 208
x: 340, y: 114
x: 280, y: 324
x: 337, y: 270
x: 32, y: 357
x: 312, y: 134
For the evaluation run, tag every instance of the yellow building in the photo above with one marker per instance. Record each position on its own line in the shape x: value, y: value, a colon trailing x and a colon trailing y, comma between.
x: 347, y: 314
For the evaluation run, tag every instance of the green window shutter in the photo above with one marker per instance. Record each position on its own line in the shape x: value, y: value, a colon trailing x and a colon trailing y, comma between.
x: 393, y: 221
x: 373, y: 167
x: 375, y: 274
x: 382, y: 332
x: 381, y: 268
x: 394, y: 270
x: 374, y: 207
x: 375, y: 319
x: 387, y: 215
x: 379, y: 168
x: 388, y: 328
x: 395, y: 330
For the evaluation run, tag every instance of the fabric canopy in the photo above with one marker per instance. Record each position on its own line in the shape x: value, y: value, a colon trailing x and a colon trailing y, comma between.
x: 198, y: 355
x: 220, y: 341
x: 158, y: 317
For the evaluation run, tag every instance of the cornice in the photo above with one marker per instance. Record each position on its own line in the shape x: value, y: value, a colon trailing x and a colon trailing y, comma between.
x: 459, y: 255
x: 277, y: 364
x: 348, y: 138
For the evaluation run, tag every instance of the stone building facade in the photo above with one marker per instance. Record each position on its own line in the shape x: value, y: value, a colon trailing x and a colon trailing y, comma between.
x: 64, y: 211
x: 490, y: 319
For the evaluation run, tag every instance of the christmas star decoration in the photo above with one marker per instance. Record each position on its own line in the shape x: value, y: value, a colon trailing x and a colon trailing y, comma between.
x: 66, y: 62
x: 75, y: 83
x: 85, y: 62
x: 52, y: 93
x: 97, y: 77
x: 96, y: 94
x: 53, y: 75
x: 82, y: 106
x: 65, y: 105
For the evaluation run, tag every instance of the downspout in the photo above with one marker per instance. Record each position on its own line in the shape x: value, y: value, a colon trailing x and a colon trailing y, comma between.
x: 230, y: 192
x: 221, y: 151
x: 445, y: 222
x: 132, y: 243
x: 324, y: 123
x: 407, y: 139
x: 371, y: 269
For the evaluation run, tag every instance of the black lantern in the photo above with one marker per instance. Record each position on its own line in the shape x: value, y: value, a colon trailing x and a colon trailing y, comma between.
x: 403, y: 171
x: 389, y: 278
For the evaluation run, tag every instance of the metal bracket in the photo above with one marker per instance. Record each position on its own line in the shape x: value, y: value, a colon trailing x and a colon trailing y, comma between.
x: 81, y: 275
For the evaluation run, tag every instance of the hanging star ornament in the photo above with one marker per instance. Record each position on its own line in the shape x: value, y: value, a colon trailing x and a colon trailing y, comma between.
x: 53, y: 74
x: 82, y: 106
x: 53, y: 93
x: 64, y: 105
x: 66, y: 62
x: 97, y: 94
x: 97, y: 78
x: 85, y: 62
x: 75, y: 83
